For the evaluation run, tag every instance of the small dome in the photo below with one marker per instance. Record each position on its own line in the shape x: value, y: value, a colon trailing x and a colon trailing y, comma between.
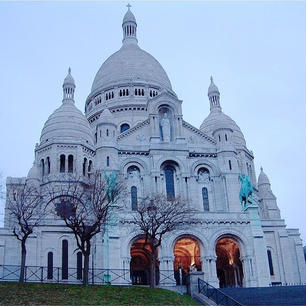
x: 129, y: 16
x: 218, y: 120
x: 107, y: 116
x: 130, y: 64
x: 69, y: 79
x: 33, y: 173
x: 213, y: 89
x: 263, y: 178
x: 67, y: 124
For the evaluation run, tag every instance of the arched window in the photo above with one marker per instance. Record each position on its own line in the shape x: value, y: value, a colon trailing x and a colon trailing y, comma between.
x: 89, y: 168
x: 48, y: 165
x: 169, y: 175
x: 230, y: 164
x: 135, y: 92
x: 107, y: 132
x: 225, y: 137
x: 79, y: 265
x: 205, y: 199
x: 219, y: 137
x: 127, y: 92
x: 62, y: 163
x: 84, y: 166
x: 43, y: 167
x: 107, y: 161
x: 270, y: 262
x: 64, y: 259
x: 50, y: 266
x: 70, y: 163
x: 124, y: 127
x: 142, y: 92
x: 134, y: 197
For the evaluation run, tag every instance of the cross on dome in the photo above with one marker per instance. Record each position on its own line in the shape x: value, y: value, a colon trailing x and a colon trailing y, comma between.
x: 129, y: 27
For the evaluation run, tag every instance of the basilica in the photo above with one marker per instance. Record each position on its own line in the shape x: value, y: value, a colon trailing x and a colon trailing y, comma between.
x: 133, y: 125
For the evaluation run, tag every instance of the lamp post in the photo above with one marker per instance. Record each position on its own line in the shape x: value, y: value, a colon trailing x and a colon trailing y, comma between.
x: 151, y: 212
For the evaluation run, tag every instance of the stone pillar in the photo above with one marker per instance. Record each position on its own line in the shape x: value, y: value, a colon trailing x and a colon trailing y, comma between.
x: 192, y: 282
x: 126, y: 269
x: 166, y: 269
x: 260, y: 249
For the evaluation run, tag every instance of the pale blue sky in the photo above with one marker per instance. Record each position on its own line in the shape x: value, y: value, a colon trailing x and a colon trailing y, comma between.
x: 256, y: 52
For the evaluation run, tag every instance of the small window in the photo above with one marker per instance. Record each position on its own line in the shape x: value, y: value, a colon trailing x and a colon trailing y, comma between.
x: 70, y: 163
x: 169, y: 175
x: 64, y: 259
x: 43, y: 167
x: 230, y: 164
x: 89, y: 168
x: 107, y: 161
x: 270, y: 262
x: 107, y: 132
x: 62, y: 163
x: 50, y: 266
x: 124, y: 127
x: 205, y: 199
x: 134, y: 197
x: 48, y: 165
x: 135, y: 92
x: 225, y: 137
x: 84, y: 166
x: 219, y: 137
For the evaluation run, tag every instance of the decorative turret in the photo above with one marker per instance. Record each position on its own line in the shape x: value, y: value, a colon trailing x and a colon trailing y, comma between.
x: 68, y: 87
x: 33, y: 177
x: 129, y: 27
x: 214, y: 96
x: 268, y: 199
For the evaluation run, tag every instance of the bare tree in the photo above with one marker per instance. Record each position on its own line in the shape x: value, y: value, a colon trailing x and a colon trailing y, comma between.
x: 26, y: 210
x: 155, y: 217
x: 84, y: 205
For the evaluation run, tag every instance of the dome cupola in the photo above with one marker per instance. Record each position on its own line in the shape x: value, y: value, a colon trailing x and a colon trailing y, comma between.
x: 263, y: 178
x: 129, y: 27
x: 213, y: 95
x: 68, y: 87
x: 67, y: 123
x: 219, y: 125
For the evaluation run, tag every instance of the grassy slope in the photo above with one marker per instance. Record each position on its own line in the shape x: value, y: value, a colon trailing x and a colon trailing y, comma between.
x: 12, y: 294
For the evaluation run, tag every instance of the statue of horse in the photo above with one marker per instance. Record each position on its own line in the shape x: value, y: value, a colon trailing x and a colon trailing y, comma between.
x: 246, y: 190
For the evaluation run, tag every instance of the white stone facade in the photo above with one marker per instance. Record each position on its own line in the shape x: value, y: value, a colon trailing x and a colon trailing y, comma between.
x: 125, y: 130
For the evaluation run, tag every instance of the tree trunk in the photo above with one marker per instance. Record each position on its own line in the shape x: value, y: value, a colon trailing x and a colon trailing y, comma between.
x: 86, y: 263
x: 23, y: 260
x: 153, y: 271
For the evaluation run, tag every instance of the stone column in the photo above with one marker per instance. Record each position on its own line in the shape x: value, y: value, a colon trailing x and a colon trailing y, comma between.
x: 126, y: 270
x: 166, y: 269
x: 192, y: 282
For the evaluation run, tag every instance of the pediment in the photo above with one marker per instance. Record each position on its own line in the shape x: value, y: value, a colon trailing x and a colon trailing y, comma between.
x: 196, y: 137
x: 137, y: 135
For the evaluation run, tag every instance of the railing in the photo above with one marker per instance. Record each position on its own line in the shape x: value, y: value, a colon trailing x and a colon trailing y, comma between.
x: 70, y: 275
x: 216, y: 295
x: 75, y: 276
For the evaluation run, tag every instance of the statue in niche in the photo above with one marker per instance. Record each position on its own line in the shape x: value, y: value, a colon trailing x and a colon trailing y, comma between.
x: 203, y: 175
x: 165, y: 128
x: 133, y: 173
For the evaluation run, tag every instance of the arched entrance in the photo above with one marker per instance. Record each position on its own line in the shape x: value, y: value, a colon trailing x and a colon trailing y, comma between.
x: 140, y: 263
x: 187, y: 257
x: 229, y: 266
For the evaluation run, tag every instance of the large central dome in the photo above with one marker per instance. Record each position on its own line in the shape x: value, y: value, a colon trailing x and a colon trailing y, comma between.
x: 131, y: 64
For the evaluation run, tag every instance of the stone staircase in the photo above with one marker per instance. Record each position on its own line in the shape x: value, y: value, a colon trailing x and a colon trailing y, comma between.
x: 269, y: 296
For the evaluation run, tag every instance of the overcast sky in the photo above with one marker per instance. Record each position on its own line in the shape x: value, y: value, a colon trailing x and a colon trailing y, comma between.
x: 256, y: 52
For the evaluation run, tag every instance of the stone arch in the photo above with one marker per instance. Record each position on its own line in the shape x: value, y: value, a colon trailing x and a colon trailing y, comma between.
x: 125, y: 164
x: 174, y: 106
x: 243, y: 241
x: 229, y: 251
x: 140, y: 263
x: 213, y: 169
x: 181, y: 165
